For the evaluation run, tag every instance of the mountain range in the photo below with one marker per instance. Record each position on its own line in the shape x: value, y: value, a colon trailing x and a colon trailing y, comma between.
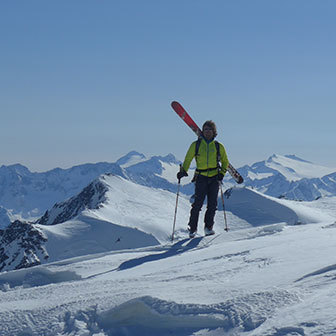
x: 116, y: 194
x: 27, y: 195
x: 114, y: 213
x: 101, y: 262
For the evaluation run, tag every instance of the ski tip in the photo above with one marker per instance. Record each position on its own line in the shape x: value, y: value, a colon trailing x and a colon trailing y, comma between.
x: 240, y: 180
x: 174, y: 103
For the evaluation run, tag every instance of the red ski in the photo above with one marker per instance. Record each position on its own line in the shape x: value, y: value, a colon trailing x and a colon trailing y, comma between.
x: 178, y: 108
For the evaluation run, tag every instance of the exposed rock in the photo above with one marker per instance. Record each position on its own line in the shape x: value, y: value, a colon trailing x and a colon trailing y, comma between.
x: 91, y: 197
x: 22, y: 246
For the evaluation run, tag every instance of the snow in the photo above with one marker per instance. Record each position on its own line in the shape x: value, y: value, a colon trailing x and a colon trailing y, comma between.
x: 268, y: 275
x: 26, y: 195
x: 130, y: 159
x: 294, y: 168
x: 5, y: 218
x: 260, y: 176
x: 169, y: 171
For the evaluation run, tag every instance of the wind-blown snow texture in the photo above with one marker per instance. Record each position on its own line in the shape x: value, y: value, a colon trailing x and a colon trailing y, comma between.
x: 126, y: 278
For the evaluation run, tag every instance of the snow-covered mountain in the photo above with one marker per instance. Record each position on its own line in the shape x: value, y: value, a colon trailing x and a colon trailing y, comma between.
x: 131, y: 159
x: 290, y: 166
x: 31, y: 194
x: 271, y: 279
x: 290, y: 177
x: 113, y: 213
x: 92, y: 197
x: 101, y: 263
x: 28, y: 195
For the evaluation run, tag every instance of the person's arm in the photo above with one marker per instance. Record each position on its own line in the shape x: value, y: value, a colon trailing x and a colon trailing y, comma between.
x: 189, y: 157
x: 224, y: 159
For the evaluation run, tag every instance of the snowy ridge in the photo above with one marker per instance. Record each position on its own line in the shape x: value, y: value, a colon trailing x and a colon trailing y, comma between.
x: 28, y: 195
x: 131, y: 159
x: 259, y: 209
x: 31, y: 194
x: 103, y: 264
x: 91, y: 197
x: 291, y: 167
x: 113, y: 213
x: 294, y: 168
x: 290, y: 177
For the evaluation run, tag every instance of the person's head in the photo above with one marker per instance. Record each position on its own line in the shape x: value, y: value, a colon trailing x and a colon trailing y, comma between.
x: 209, y: 130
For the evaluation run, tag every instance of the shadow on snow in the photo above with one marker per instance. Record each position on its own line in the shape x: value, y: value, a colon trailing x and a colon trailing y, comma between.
x: 174, y: 250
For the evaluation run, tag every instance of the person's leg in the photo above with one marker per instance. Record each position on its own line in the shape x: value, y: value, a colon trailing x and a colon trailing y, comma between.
x: 200, y: 193
x: 212, y: 195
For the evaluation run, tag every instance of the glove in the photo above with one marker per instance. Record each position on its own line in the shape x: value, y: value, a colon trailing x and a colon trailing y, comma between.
x: 220, y: 177
x: 181, y: 173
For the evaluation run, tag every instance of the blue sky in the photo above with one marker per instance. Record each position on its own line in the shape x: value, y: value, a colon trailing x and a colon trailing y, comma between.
x: 87, y: 81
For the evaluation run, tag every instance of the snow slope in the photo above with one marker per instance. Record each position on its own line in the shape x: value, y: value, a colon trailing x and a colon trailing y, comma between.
x: 295, y: 168
x: 259, y: 209
x: 28, y: 194
x: 290, y: 177
x: 119, y: 215
x: 291, y: 167
x: 115, y: 272
x: 238, y: 283
x: 131, y: 159
x: 113, y: 213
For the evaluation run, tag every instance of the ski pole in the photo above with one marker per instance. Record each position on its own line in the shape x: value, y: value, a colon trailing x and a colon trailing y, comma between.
x: 225, y: 221
x: 177, y: 196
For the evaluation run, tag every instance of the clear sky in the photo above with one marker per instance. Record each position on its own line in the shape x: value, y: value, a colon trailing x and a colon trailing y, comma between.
x: 87, y: 81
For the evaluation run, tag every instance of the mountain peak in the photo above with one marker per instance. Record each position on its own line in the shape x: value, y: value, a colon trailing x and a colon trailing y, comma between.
x: 277, y: 157
x: 294, y: 157
x: 17, y: 168
x: 295, y: 168
x: 170, y: 158
x: 91, y: 197
x: 130, y: 159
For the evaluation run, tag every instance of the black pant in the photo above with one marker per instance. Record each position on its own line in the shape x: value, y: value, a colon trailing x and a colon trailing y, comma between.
x: 204, y: 186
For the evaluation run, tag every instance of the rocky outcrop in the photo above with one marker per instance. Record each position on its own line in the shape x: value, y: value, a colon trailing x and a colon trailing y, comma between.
x: 22, y: 246
x: 91, y: 197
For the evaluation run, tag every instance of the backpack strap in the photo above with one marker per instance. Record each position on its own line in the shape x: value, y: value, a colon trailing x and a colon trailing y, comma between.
x: 218, y: 153
x: 218, y: 156
x: 197, y: 146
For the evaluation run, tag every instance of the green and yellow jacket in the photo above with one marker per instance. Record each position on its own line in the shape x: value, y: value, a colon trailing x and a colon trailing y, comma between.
x: 206, y: 159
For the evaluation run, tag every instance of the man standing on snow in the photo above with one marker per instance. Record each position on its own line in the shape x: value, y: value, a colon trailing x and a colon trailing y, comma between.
x: 211, y: 166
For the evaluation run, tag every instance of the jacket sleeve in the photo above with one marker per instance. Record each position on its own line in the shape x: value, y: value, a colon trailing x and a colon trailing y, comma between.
x: 224, y: 159
x: 189, y: 156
